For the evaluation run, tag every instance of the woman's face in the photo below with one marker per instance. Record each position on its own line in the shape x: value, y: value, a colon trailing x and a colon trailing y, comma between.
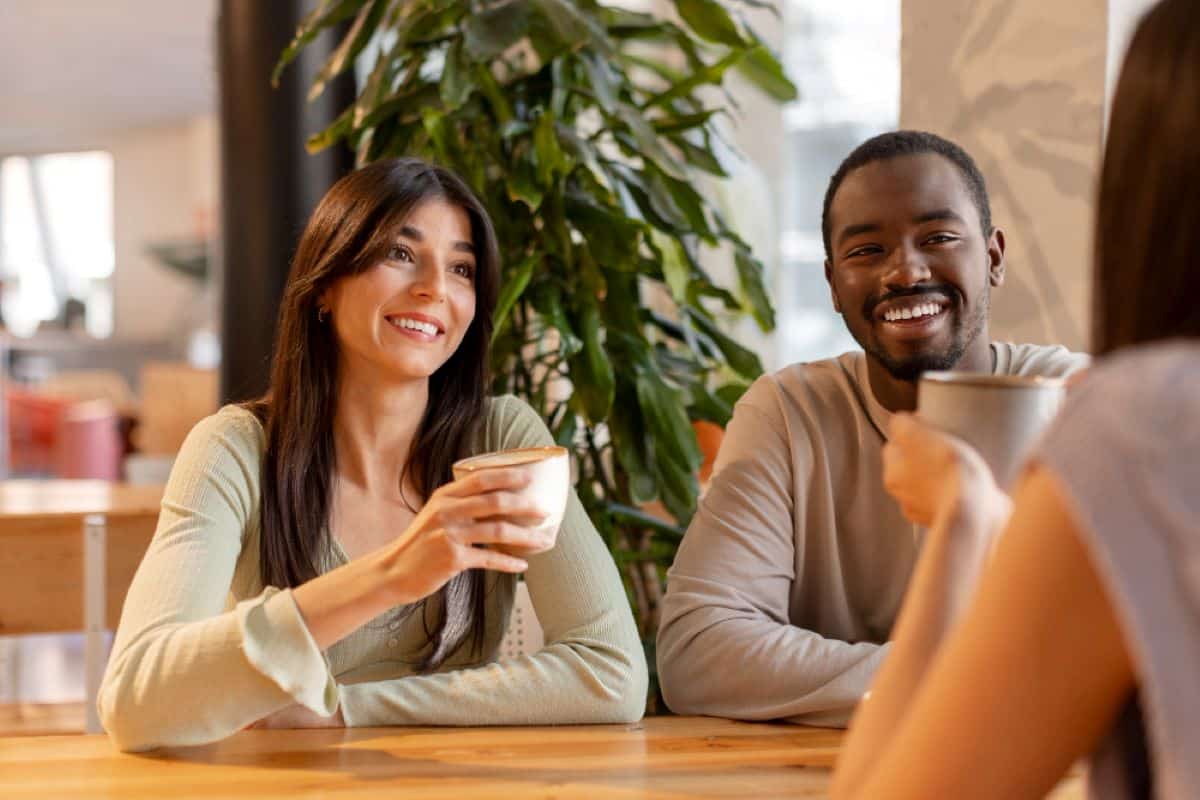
x: 402, y: 318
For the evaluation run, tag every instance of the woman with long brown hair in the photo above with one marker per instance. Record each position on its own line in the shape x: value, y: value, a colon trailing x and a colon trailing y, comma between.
x: 1083, y: 634
x: 315, y: 562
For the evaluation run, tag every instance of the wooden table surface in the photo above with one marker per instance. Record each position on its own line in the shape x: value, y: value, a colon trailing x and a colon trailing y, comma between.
x: 22, y: 500
x: 661, y: 757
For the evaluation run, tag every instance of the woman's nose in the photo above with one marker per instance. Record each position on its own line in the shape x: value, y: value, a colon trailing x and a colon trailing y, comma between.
x: 430, y: 282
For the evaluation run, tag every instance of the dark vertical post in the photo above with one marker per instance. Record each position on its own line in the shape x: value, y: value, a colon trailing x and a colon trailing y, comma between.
x: 269, y: 182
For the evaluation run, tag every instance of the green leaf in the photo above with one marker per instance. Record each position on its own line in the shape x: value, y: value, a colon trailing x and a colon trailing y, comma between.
x: 591, y: 370
x: 710, y: 74
x: 334, y: 133
x: 602, y: 80
x: 622, y: 23
x: 660, y: 211
x: 612, y: 237
x: 439, y: 134
x: 762, y: 69
x: 547, y: 301
x: 326, y: 15
x: 678, y: 456
x: 675, y: 266
x: 730, y: 393
x: 750, y: 281
x: 649, y: 145
x: 699, y: 157
x: 548, y: 156
x: 564, y: 432
x: 560, y: 25
x: 662, y: 70
x: 456, y: 84
x: 630, y: 443
x: 710, y: 21
x: 490, y: 33
x: 743, y: 361
x: 708, y: 406
x: 682, y: 197
x: 668, y: 124
x: 501, y: 107
x: 513, y: 288
x: 359, y: 35
x: 523, y: 185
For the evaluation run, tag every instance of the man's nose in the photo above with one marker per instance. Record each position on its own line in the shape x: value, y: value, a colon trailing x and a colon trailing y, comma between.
x: 906, y: 267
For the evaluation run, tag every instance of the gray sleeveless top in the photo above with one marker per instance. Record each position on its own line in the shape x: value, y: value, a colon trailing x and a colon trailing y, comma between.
x: 1127, y: 450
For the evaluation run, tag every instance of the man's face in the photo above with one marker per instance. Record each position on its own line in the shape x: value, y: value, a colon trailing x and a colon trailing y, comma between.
x: 910, y: 268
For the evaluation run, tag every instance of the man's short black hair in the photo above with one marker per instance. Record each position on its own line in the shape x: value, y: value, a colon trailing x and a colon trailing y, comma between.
x: 908, y: 143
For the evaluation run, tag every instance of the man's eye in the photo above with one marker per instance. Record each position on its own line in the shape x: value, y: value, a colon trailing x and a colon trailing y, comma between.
x: 941, y: 238
x: 866, y: 250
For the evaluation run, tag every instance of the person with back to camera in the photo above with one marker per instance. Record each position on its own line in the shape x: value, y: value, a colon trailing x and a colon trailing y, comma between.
x: 315, y: 562
x: 1083, y: 634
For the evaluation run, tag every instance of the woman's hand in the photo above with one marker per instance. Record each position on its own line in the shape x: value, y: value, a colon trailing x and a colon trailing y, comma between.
x: 931, y: 473
x: 466, y: 524
x: 942, y: 483
x: 298, y: 716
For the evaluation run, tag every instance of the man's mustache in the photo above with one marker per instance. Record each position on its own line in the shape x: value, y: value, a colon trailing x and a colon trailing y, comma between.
x: 941, y: 291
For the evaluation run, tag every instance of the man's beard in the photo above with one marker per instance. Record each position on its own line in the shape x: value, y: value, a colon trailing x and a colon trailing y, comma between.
x: 964, y: 332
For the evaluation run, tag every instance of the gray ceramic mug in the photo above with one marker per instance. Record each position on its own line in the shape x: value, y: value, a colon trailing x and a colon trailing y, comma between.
x: 1001, y: 416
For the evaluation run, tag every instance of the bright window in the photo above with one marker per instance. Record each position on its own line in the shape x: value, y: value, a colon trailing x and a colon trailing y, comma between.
x: 844, y: 56
x: 56, y: 242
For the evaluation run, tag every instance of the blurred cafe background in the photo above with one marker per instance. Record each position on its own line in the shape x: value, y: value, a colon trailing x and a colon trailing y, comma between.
x: 153, y: 183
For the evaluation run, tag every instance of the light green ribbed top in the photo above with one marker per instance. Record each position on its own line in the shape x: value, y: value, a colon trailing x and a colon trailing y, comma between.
x: 203, y: 649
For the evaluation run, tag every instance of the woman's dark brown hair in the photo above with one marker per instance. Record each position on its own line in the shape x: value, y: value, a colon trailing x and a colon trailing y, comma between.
x: 351, y: 230
x: 1147, y: 245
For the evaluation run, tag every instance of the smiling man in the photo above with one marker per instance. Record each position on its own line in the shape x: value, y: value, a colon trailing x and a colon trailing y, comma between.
x: 785, y: 589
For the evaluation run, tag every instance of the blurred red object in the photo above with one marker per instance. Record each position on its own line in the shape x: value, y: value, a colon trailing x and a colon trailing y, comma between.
x: 56, y: 437
x: 89, y: 442
x: 709, y: 436
x: 32, y: 431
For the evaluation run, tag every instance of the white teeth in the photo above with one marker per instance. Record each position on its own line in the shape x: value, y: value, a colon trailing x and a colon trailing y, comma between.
x: 412, y: 324
x: 926, y: 310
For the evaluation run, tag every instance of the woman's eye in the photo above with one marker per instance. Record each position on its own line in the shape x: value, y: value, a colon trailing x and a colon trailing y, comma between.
x: 464, y: 269
x: 400, y: 253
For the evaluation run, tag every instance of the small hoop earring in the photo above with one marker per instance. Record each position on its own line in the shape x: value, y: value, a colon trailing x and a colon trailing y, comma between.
x: 322, y: 313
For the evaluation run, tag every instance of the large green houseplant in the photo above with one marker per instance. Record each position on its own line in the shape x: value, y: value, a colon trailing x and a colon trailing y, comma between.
x: 582, y: 127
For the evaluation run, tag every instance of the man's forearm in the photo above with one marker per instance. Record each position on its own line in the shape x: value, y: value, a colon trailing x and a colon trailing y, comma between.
x: 758, y: 669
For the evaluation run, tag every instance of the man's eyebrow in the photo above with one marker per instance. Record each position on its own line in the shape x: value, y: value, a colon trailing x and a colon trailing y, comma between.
x: 854, y: 230
x: 939, y: 215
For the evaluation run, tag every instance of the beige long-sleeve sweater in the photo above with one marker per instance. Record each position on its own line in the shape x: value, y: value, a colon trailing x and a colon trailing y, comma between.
x: 787, y: 584
x: 203, y: 649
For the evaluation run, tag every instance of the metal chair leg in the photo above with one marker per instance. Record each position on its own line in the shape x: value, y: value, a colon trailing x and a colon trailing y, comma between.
x: 95, y: 535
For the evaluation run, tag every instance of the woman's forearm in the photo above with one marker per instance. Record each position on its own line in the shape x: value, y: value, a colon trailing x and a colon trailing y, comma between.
x: 955, y: 547
x: 336, y: 604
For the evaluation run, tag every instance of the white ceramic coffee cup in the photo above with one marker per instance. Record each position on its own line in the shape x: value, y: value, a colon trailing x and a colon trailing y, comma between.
x: 549, y: 471
x: 1001, y: 416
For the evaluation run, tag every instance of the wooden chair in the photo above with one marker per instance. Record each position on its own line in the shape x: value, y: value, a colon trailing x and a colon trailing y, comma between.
x: 524, y: 635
